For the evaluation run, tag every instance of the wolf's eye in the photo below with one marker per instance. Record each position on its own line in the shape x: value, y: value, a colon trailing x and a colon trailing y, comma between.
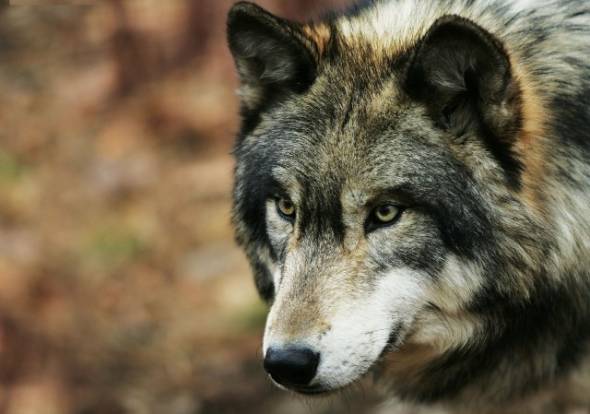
x: 386, y: 213
x: 383, y: 215
x: 286, y: 208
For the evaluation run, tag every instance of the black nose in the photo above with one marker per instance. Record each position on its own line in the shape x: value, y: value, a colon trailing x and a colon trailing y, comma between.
x: 295, y: 366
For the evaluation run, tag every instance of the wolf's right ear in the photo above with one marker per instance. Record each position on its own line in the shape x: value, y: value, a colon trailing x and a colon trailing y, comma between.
x: 272, y: 55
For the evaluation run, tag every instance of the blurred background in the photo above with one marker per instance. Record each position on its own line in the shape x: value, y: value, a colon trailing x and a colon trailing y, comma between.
x: 121, y: 289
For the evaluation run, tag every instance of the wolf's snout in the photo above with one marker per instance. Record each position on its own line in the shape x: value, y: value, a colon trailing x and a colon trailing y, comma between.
x: 291, y: 366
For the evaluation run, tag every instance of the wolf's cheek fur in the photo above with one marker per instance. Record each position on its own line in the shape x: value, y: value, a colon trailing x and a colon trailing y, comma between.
x: 445, y: 324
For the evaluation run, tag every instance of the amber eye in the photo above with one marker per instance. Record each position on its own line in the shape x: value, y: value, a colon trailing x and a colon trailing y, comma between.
x: 286, y: 208
x: 386, y: 213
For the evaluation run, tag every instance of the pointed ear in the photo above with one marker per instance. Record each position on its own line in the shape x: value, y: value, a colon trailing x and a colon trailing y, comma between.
x: 462, y: 74
x: 272, y: 55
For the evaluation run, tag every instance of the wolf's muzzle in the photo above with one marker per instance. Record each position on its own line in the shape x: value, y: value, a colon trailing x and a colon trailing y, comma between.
x: 291, y: 367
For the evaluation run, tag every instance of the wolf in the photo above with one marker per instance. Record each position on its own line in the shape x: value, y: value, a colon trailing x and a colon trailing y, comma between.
x: 412, y: 190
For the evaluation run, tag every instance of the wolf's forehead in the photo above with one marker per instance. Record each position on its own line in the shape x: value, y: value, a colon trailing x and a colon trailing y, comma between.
x: 369, y: 153
x: 343, y: 136
x: 352, y: 186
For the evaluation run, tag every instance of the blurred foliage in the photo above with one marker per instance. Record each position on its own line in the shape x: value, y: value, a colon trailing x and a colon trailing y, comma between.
x: 121, y: 289
x: 10, y: 168
x: 113, y: 246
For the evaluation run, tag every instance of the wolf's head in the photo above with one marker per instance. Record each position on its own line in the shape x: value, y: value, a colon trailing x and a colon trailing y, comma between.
x: 368, y: 179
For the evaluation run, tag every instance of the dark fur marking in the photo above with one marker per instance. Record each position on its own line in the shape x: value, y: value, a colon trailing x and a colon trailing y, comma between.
x: 263, y: 281
x: 321, y: 211
x: 571, y: 112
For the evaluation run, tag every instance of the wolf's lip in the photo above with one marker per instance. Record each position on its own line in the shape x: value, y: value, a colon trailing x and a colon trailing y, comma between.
x: 305, y: 390
x: 313, y: 390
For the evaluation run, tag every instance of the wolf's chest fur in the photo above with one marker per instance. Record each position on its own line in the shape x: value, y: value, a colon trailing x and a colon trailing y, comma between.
x: 413, y: 192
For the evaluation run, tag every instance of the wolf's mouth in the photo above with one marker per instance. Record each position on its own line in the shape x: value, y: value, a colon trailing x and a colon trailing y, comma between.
x: 392, y: 344
x: 308, y: 390
x: 313, y: 390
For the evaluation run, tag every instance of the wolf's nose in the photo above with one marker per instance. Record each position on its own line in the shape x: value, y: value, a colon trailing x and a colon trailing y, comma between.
x: 295, y: 366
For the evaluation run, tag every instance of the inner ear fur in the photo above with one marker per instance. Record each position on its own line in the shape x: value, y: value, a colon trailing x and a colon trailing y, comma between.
x: 272, y: 55
x: 463, y: 75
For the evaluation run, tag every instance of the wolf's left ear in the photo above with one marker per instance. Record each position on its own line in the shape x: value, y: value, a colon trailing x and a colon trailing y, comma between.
x: 272, y: 55
x: 462, y: 74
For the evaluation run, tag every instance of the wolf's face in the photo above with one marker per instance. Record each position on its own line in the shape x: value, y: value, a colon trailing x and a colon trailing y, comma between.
x: 357, y: 194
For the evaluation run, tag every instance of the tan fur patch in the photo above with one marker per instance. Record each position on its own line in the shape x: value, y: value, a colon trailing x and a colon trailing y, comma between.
x: 320, y: 35
x: 530, y: 144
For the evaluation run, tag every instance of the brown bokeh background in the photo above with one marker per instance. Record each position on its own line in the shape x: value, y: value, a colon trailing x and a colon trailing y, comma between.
x: 121, y: 288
